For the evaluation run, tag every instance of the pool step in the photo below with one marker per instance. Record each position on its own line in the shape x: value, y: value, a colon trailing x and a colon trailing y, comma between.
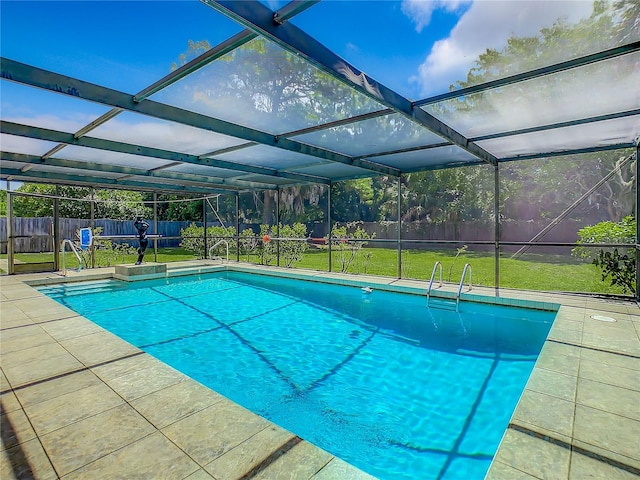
x: 442, y: 303
x: 193, y: 270
x: 67, y: 289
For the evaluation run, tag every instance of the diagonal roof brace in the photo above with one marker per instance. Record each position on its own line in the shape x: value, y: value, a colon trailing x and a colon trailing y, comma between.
x: 34, y: 160
x: 31, y: 176
x: 110, y: 145
x: 37, y: 77
x: 538, y: 72
x: 256, y: 16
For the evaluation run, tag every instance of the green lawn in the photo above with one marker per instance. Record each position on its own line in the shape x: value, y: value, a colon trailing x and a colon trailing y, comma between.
x: 529, y: 272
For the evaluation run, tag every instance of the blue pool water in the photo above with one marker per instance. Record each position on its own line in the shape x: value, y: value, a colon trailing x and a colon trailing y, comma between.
x: 400, y: 390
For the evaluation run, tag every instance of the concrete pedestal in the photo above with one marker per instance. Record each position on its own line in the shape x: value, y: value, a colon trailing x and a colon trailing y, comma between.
x: 146, y: 271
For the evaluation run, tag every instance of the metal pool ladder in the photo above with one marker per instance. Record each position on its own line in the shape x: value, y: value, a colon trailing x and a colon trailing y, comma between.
x: 433, y: 274
x: 443, y: 303
x: 64, y: 243
x: 215, y: 245
x: 464, y: 274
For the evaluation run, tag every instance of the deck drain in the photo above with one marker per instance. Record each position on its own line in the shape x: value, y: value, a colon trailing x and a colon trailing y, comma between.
x: 602, y: 318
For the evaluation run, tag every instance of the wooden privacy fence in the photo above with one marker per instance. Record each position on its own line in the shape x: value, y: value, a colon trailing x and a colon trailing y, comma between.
x: 34, y: 235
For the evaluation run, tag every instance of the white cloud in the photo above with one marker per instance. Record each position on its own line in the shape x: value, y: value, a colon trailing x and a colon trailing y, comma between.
x: 420, y: 11
x: 488, y: 24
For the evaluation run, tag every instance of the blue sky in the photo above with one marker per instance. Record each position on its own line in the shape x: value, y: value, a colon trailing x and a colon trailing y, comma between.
x: 416, y: 47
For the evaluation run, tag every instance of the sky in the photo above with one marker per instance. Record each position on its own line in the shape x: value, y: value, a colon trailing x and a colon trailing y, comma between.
x: 415, y: 47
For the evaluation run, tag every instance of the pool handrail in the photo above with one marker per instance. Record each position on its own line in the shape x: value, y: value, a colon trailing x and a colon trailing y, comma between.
x: 433, y: 274
x: 464, y: 274
x: 75, y: 252
x: 218, y: 243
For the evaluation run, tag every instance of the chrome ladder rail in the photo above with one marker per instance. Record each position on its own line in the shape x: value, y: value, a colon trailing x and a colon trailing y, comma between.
x: 75, y: 252
x: 433, y: 274
x: 218, y: 243
x: 464, y: 274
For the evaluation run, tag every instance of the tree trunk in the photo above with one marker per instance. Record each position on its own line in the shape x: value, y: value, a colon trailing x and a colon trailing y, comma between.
x: 267, y: 208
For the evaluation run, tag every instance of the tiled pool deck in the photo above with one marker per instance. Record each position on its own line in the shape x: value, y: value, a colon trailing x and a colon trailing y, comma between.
x: 79, y: 403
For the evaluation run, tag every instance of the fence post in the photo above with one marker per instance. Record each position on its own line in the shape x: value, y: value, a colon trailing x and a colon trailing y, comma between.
x: 637, y: 247
x: 204, y: 223
x: 155, y: 226
x: 278, y: 226
x: 93, y: 225
x: 329, y: 222
x: 237, y: 227
x: 56, y: 232
x: 399, y: 227
x: 496, y: 209
x: 10, y: 256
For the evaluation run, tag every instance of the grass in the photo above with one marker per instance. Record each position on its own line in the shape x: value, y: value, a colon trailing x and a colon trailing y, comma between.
x: 529, y: 272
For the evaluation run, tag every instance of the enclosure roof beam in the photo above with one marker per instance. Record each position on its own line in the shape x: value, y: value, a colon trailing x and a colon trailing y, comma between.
x: 509, y: 133
x: 285, y: 13
x: 575, y: 151
x: 552, y: 126
x: 257, y: 17
x: 34, y: 160
x: 110, y: 145
x: 32, y: 176
x: 315, y: 128
x: 47, y: 80
x: 538, y: 72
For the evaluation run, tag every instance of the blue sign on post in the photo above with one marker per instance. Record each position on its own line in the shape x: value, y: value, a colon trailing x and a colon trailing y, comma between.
x: 86, y: 237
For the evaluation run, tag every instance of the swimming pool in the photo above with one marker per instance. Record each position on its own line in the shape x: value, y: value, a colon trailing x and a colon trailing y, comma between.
x: 397, y: 389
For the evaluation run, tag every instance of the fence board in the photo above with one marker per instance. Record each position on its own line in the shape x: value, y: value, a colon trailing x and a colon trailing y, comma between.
x: 35, y: 235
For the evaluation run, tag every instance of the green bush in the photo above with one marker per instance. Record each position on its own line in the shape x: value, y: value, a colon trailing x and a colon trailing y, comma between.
x: 193, y: 239
x: 348, y: 240
x: 617, y: 266
x: 266, y: 247
x: 248, y: 242
x: 292, y: 251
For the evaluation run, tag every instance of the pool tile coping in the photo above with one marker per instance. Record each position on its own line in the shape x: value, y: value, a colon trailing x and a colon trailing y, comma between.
x: 562, y: 427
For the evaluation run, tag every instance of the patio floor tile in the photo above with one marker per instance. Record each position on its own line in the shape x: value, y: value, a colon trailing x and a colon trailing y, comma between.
x: 302, y: 461
x: 175, y: 402
x: 66, y: 409
x: 584, y: 467
x: 25, y: 461
x: 608, y: 431
x: 153, y: 456
x: 598, y: 395
x: 533, y: 455
x: 267, y: 444
x: 98, y: 347
x: 209, y: 433
x: 77, y: 444
x: 56, y: 387
x: 148, y: 380
x: 16, y: 428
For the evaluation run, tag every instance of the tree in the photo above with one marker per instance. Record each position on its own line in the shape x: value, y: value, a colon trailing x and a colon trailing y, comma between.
x: 543, y: 188
x: 266, y: 87
x: 113, y: 204
x: 3, y: 202
x: 616, y: 265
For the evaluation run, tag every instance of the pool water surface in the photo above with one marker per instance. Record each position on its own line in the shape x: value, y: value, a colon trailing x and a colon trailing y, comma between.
x: 399, y: 390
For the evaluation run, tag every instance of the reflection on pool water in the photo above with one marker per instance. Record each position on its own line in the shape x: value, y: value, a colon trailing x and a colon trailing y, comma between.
x: 400, y: 390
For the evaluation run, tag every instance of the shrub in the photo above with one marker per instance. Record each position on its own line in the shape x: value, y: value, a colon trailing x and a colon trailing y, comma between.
x: 248, y: 242
x: 193, y: 239
x: 292, y: 251
x: 348, y: 240
x: 266, y: 248
x: 617, y: 266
